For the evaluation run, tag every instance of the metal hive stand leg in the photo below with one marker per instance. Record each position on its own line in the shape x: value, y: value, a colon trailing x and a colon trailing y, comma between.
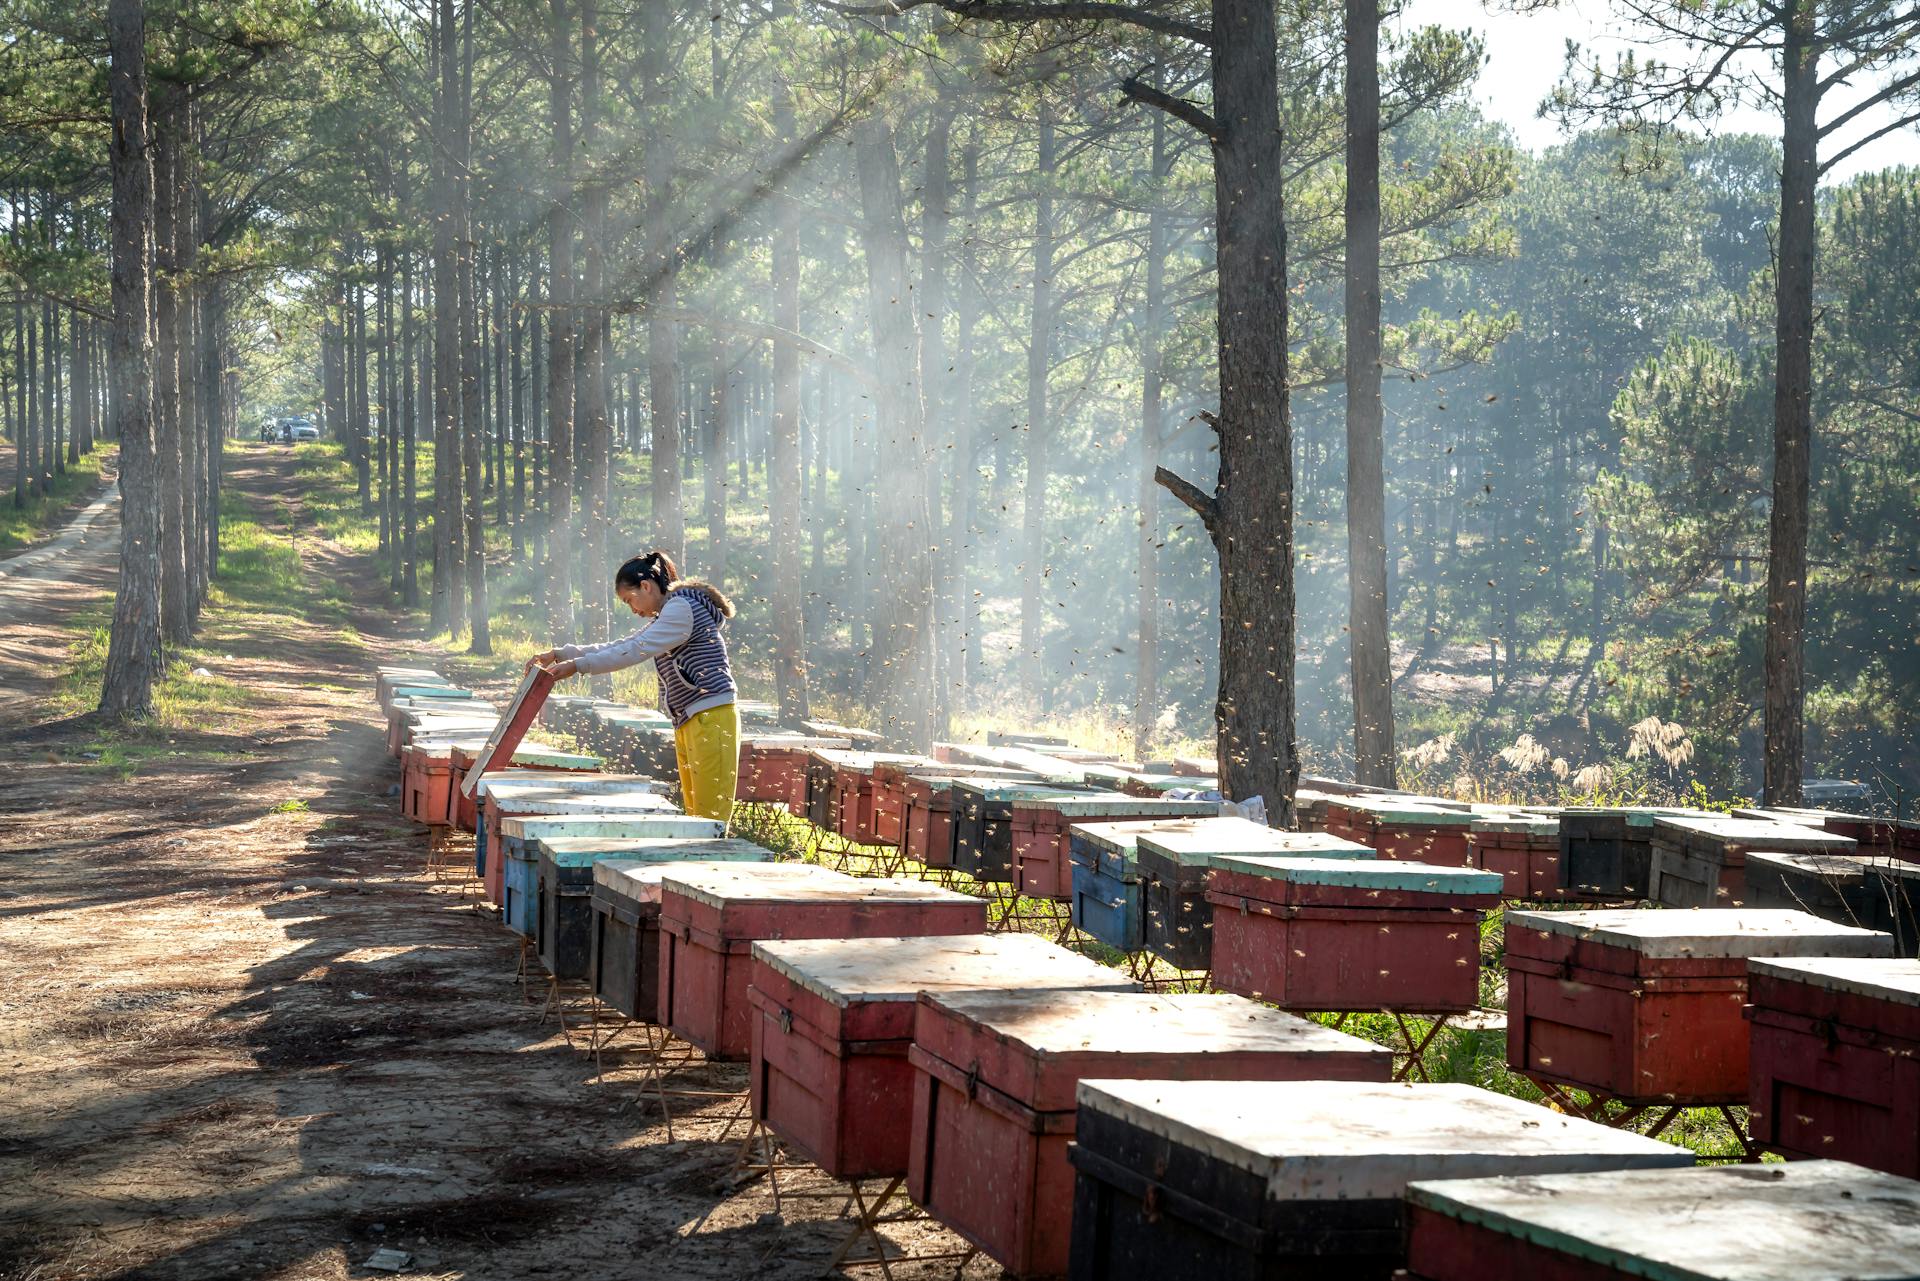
x: 870, y: 1215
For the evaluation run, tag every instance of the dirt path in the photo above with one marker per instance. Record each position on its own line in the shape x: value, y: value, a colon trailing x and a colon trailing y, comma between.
x: 245, y: 1037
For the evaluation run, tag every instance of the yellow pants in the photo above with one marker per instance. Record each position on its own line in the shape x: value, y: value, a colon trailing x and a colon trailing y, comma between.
x: 708, y: 748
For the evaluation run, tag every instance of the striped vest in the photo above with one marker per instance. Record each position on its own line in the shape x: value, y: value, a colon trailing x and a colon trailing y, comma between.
x: 698, y: 669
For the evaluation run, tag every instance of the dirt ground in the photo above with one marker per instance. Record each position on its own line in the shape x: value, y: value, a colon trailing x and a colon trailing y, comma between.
x: 245, y: 1035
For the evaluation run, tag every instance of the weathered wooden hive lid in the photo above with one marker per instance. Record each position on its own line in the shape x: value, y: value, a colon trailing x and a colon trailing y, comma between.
x: 1094, y: 804
x: 1831, y: 867
x: 1797, y: 814
x: 1365, y: 873
x: 1748, y: 832
x: 685, y: 827
x: 508, y: 785
x: 786, y: 742
x: 1363, y: 1140
x: 1203, y: 842
x: 733, y: 883
x: 828, y: 729
x: 1422, y: 811
x: 1880, y: 977
x: 850, y: 972
x: 1707, y: 932
x: 1802, y: 1221
x: 580, y: 851
x: 1500, y: 818
x: 1097, y: 1022
x: 999, y: 789
x: 628, y: 802
x: 640, y: 878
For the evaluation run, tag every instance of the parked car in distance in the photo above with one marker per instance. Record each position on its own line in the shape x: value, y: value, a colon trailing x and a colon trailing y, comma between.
x: 299, y: 428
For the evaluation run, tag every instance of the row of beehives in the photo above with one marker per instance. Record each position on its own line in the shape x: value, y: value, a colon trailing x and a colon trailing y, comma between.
x: 953, y: 1061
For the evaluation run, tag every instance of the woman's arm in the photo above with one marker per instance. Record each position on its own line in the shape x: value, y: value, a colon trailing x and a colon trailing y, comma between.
x: 668, y: 631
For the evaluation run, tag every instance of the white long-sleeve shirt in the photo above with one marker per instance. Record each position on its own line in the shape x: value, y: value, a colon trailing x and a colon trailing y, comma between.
x: 668, y: 631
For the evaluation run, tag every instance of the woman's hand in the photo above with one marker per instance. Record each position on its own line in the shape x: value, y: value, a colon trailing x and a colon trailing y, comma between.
x: 563, y: 669
x: 545, y: 658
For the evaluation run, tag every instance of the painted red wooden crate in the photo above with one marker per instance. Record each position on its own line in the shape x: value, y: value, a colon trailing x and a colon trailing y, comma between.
x: 1701, y: 860
x: 834, y: 1019
x: 1042, y: 845
x: 887, y: 800
x: 710, y: 921
x: 1299, y: 1178
x: 426, y: 783
x: 1835, y: 1064
x: 995, y: 1082
x: 1524, y: 848
x: 773, y: 768
x: 1412, y: 828
x: 1646, y: 1006
x: 1803, y: 1221
x: 1172, y: 861
x: 1339, y: 934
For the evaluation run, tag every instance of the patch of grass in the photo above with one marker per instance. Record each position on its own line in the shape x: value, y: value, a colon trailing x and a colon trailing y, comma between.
x: 21, y: 526
x: 181, y: 700
x: 290, y: 807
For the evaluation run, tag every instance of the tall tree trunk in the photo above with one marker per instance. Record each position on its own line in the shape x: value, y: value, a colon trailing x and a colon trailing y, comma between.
x: 449, y: 597
x: 1786, y: 690
x: 714, y: 471
x: 786, y: 481
x: 961, y: 514
x: 1249, y: 514
x: 1039, y: 427
x: 560, y: 329
x: 590, y: 390
x: 411, y: 372
x: 936, y: 198
x: 133, y: 649
x: 1368, y: 636
x: 1146, y: 681
x: 904, y: 609
x: 663, y: 340
x: 517, y: 379
x: 472, y: 423
x: 193, y: 440
x: 175, y: 615
x: 389, y: 418
x: 80, y: 436
x: 214, y: 386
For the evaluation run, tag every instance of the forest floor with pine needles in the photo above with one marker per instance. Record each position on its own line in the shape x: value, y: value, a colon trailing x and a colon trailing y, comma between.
x: 248, y: 1036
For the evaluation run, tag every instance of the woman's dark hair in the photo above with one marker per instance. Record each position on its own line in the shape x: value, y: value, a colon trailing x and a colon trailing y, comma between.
x: 655, y: 567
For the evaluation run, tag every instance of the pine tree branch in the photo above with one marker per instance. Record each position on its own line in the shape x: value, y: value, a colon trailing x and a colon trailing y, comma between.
x: 1204, y: 505
x: 1178, y: 108
x: 1024, y: 11
x: 1877, y: 134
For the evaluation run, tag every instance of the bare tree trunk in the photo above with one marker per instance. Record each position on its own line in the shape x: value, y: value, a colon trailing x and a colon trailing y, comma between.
x: 1039, y: 426
x: 1368, y: 635
x: 1146, y: 684
x: 786, y: 482
x: 449, y: 595
x: 663, y: 340
x: 1786, y: 690
x: 936, y: 215
x: 1249, y: 514
x: 411, y: 372
x: 133, y: 650
x: 714, y: 473
x: 193, y: 440
x: 560, y: 330
x: 175, y: 614
x: 472, y: 423
x: 517, y: 382
x: 960, y: 515
x: 905, y: 607
x: 590, y: 391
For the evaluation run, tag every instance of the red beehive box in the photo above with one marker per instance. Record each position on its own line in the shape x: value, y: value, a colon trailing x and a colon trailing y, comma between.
x: 1042, y: 863
x: 710, y: 921
x: 528, y: 760
x: 849, y: 811
x: 1835, y: 1063
x: 994, y: 1093
x: 1412, y: 828
x: 927, y: 808
x: 1647, y: 1005
x: 1701, y: 860
x: 1804, y: 1221
x: 887, y: 800
x: 426, y: 782
x: 834, y: 1020
x: 1524, y: 848
x: 773, y: 768
x: 1349, y: 934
